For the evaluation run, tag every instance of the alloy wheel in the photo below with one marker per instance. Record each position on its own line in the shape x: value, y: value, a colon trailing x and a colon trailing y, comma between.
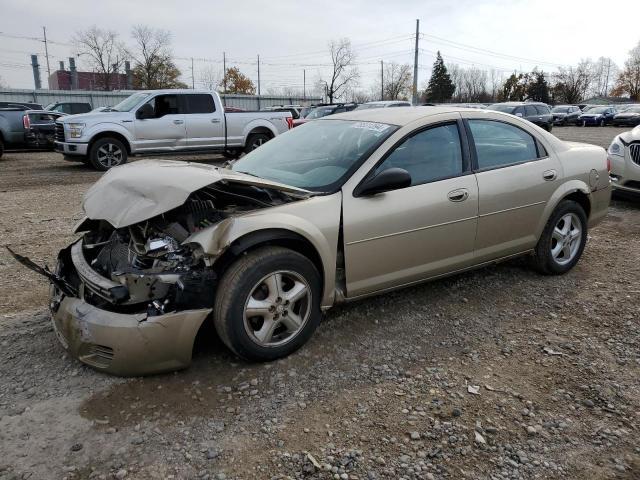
x: 566, y: 239
x: 109, y: 155
x: 277, y: 308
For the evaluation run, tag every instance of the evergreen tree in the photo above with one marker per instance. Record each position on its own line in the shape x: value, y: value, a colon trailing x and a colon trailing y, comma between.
x: 538, y: 88
x: 440, y: 87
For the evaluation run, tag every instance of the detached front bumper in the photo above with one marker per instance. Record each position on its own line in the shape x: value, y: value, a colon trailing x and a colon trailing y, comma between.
x: 71, y: 148
x: 126, y: 345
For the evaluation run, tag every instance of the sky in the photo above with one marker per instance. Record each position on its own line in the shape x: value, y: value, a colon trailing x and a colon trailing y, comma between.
x: 292, y: 36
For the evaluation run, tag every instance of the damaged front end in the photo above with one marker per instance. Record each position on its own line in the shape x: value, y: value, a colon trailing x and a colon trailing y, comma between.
x: 130, y: 298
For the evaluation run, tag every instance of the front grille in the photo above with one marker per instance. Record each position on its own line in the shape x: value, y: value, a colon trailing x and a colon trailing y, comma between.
x: 59, y: 132
x: 98, y: 356
x: 634, y: 150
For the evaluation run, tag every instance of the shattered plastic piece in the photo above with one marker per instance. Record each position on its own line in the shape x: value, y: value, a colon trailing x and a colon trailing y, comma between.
x: 313, y: 460
x: 550, y: 351
x: 480, y: 439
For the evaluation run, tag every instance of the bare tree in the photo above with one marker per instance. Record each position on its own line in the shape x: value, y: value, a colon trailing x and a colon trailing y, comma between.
x: 344, y: 72
x: 106, y: 53
x: 605, y: 74
x: 153, y: 58
x: 629, y: 80
x: 398, y: 81
x: 573, y: 83
x: 210, y: 78
x: 495, y: 82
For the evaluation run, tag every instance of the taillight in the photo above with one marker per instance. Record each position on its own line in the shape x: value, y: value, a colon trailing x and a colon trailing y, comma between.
x: 290, y: 122
x: 26, y: 122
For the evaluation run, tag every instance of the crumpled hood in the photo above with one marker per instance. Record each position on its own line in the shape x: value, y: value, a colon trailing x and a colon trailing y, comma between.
x: 631, y: 135
x: 141, y: 190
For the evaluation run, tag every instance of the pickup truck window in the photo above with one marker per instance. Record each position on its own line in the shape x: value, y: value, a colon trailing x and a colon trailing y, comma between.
x: 199, y: 103
x: 130, y: 102
x: 164, y: 105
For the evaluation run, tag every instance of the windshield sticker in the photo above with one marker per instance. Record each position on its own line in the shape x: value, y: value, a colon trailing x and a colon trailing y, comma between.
x: 376, y: 127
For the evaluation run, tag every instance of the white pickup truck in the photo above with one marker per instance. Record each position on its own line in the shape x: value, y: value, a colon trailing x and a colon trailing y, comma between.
x: 164, y: 121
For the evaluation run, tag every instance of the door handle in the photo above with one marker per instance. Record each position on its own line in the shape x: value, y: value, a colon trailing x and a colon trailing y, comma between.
x: 549, y: 175
x: 459, y: 195
x: 178, y: 122
x: 215, y: 120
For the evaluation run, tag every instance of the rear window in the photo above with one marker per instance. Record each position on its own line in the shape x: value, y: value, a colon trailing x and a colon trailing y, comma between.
x: 199, y: 103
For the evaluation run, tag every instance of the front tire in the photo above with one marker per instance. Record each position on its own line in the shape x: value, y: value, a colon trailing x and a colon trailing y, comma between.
x: 562, y: 241
x: 602, y: 123
x: 256, y: 140
x: 107, y: 153
x: 268, y: 304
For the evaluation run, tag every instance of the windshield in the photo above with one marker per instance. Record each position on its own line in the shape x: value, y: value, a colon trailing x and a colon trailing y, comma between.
x: 317, y: 156
x: 50, y: 106
x: 128, y: 103
x: 500, y: 107
x: 633, y: 110
x: 560, y: 110
x: 320, y: 112
x: 598, y: 109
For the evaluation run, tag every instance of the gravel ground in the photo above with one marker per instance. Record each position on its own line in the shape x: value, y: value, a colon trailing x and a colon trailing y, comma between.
x: 495, y: 374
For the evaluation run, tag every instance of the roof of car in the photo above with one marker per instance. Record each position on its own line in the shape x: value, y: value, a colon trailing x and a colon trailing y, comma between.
x: 396, y: 116
x: 515, y: 104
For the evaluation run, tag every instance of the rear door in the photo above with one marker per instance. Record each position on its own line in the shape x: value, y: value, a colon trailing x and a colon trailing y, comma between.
x: 205, y: 125
x: 166, y: 129
x: 421, y: 231
x: 516, y: 177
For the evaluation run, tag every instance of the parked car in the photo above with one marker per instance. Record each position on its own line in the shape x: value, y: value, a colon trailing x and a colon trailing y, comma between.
x: 338, y: 209
x: 624, y: 156
x: 383, y: 104
x: 24, y: 105
x: 165, y: 121
x: 565, y: 114
x: 69, y: 108
x: 537, y: 113
x: 21, y: 128
x: 630, y: 116
x: 293, y: 109
x: 599, y: 116
x: 325, y: 110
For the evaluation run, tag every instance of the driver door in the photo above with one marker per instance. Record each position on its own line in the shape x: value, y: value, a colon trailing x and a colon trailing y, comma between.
x: 421, y: 231
x: 165, y: 130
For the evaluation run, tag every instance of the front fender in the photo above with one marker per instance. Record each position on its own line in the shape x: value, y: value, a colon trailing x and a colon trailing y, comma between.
x: 561, y: 192
x: 104, y: 127
x: 317, y: 220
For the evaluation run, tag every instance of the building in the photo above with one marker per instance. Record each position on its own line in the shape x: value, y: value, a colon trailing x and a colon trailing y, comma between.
x: 62, y: 80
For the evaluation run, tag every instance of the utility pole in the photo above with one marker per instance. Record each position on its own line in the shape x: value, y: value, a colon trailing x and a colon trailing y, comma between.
x: 381, y: 80
x: 304, y: 84
x: 46, y: 53
x: 415, y: 65
x: 224, y: 72
x: 258, y: 75
x: 193, y: 78
x: 606, y: 85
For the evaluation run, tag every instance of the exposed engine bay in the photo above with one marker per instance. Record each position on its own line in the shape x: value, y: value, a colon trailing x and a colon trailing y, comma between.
x: 147, y: 267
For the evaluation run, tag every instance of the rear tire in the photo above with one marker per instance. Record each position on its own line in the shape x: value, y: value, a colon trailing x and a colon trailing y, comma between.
x: 562, y: 241
x: 268, y: 303
x: 256, y: 140
x: 107, y: 153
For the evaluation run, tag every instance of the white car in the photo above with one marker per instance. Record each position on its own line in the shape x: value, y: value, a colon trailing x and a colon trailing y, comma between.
x: 624, y: 156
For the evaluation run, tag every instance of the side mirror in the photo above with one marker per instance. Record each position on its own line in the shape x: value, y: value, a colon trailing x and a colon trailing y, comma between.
x: 385, y: 181
x: 145, y: 111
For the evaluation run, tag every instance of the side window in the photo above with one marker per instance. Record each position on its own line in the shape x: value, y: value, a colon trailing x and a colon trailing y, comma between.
x: 499, y: 144
x: 340, y: 110
x: 199, y: 103
x: 164, y: 105
x: 519, y: 110
x: 429, y: 155
x: 542, y: 110
x: 530, y: 111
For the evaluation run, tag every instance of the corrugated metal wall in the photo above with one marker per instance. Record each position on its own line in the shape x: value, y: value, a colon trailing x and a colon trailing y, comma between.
x: 104, y: 99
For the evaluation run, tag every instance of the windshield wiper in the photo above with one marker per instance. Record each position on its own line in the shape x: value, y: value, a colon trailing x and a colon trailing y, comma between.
x: 247, y: 173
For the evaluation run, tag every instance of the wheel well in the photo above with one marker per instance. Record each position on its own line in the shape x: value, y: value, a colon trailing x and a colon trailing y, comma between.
x: 582, y: 200
x: 264, y: 130
x: 272, y: 237
x: 116, y: 135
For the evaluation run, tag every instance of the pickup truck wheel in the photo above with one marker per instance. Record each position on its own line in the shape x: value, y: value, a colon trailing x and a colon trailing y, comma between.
x: 268, y: 303
x: 255, y: 140
x: 562, y: 241
x: 107, y: 153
